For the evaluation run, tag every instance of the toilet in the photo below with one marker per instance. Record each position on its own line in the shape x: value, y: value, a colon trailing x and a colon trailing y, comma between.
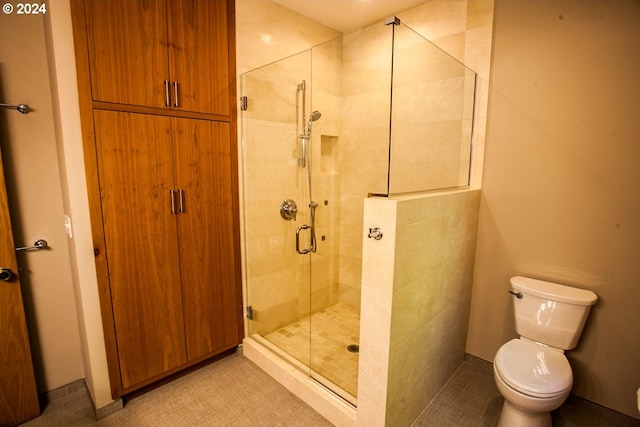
x: 532, y: 372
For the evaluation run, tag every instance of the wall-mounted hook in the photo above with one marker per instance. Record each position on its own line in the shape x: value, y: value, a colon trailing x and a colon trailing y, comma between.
x: 38, y: 245
x: 375, y: 233
x: 23, y: 108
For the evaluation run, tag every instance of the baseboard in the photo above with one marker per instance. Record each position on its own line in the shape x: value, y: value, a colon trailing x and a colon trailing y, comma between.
x: 475, y: 360
x: 107, y: 410
x: 60, y: 392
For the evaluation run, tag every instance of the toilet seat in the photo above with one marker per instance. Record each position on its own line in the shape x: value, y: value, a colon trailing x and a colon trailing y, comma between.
x: 533, y: 369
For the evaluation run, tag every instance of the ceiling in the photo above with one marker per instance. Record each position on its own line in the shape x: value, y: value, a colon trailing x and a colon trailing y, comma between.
x: 347, y: 15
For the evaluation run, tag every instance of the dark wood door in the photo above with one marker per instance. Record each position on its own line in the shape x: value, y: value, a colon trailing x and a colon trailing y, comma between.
x: 206, y: 233
x: 135, y: 165
x: 18, y: 393
x: 128, y: 55
x: 199, y: 55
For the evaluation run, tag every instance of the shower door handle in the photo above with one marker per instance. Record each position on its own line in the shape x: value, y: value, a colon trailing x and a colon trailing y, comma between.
x: 303, y: 251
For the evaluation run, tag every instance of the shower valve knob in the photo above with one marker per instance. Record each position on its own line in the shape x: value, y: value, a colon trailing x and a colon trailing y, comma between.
x: 288, y: 210
x: 375, y: 233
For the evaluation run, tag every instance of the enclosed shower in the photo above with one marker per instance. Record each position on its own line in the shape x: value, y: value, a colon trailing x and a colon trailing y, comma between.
x: 377, y: 113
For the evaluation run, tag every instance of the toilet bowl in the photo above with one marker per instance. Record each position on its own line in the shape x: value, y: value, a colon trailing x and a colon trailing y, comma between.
x: 533, y: 379
x: 532, y: 372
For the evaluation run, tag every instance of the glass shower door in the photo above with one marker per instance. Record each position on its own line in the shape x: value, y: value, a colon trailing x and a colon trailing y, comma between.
x: 278, y: 288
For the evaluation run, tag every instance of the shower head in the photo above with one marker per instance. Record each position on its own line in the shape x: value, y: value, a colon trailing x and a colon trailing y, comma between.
x: 312, y: 118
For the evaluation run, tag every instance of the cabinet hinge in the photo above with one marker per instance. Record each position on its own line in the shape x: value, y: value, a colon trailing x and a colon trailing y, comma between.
x: 249, y: 310
x: 244, y: 103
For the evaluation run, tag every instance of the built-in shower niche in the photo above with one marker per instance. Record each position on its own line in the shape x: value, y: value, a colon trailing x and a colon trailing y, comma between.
x: 329, y: 158
x: 377, y: 111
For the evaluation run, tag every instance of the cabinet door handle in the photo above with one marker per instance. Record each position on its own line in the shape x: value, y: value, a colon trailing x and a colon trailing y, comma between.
x: 167, y: 101
x: 172, y: 195
x: 175, y: 94
x: 180, y: 201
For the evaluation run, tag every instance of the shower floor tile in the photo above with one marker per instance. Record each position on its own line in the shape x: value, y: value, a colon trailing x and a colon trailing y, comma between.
x: 321, y: 342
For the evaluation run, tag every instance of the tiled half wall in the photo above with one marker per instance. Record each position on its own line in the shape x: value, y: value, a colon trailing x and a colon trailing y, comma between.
x: 416, y: 293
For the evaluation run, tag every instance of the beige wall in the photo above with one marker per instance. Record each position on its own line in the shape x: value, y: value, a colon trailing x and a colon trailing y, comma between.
x: 35, y: 194
x: 64, y: 90
x: 560, y: 198
x: 267, y: 32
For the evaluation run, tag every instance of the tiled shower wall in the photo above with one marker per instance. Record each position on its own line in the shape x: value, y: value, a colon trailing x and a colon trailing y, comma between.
x: 416, y: 293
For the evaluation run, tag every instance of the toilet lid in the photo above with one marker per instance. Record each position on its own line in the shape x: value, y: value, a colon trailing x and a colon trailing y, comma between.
x: 533, y: 369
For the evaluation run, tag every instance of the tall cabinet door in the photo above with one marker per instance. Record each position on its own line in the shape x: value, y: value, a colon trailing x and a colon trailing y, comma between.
x: 203, y: 172
x: 199, y: 55
x: 128, y: 54
x: 135, y: 165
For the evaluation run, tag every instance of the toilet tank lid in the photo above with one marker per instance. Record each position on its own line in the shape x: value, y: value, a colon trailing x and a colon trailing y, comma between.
x: 553, y: 291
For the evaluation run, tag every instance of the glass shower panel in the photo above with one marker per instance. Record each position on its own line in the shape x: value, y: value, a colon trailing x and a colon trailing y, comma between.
x: 366, y: 83
x: 432, y: 116
x: 335, y: 308
x: 278, y: 289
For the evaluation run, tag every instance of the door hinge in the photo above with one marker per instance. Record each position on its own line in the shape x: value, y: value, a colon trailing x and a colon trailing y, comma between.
x: 249, y: 310
x: 244, y: 103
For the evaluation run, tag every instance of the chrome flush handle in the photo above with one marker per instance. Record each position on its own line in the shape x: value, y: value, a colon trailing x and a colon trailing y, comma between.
x: 517, y: 294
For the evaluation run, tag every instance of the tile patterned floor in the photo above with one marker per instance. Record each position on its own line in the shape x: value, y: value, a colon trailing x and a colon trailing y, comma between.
x: 233, y: 392
x: 471, y: 399
x: 321, y: 341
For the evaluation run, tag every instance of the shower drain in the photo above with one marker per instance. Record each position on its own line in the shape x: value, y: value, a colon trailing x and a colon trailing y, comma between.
x: 353, y: 348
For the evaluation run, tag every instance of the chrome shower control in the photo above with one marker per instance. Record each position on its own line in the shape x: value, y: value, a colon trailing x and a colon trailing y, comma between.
x: 288, y: 210
x: 375, y: 233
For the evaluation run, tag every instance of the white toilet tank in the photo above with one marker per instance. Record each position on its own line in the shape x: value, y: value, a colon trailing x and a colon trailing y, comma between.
x: 550, y: 313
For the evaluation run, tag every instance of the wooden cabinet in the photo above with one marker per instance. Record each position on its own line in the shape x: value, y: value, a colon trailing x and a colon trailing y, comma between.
x: 136, y: 173
x: 162, y: 180
x: 166, y: 192
x: 160, y: 53
x: 205, y: 229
